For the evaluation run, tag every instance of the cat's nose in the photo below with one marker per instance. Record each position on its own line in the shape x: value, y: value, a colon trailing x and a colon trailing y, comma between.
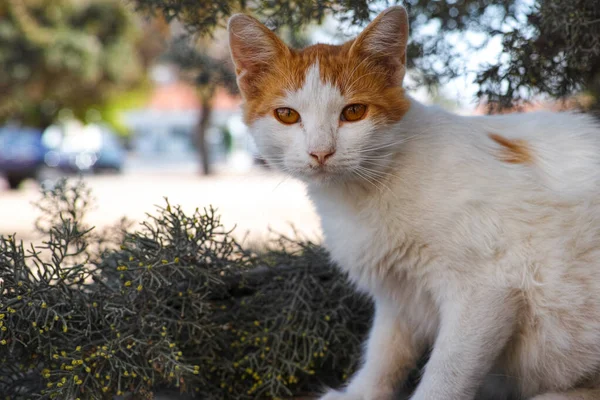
x: 321, y: 156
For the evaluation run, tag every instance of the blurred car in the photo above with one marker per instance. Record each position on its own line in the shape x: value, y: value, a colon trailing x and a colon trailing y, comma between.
x: 22, y: 154
x: 74, y: 149
x: 111, y: 155
x: 29, y: 153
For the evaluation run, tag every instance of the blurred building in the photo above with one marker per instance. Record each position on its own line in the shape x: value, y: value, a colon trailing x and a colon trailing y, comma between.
x: 165, y: 128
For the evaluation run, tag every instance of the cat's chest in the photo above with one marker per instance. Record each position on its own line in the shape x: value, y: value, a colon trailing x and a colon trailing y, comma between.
x: 353, y: 239
x: 372, y: 243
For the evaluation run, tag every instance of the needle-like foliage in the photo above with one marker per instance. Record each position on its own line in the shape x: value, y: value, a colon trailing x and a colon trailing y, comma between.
x: 175, y: 303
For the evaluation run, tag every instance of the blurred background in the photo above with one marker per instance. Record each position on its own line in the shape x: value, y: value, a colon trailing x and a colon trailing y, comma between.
x: 138, y: 97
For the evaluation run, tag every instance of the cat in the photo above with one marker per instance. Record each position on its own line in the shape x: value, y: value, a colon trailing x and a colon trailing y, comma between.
x: 477, y: 237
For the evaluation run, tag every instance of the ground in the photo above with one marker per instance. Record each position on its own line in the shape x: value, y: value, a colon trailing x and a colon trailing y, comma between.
x: 254, y: 201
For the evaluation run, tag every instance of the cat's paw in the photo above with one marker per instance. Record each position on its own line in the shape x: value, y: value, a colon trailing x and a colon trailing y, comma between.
x: 338, y: 395
x: 351, y: 395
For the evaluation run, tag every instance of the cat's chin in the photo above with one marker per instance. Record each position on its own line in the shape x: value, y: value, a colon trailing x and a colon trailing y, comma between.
x: 324, y: 178
x: 321, y: 176
x: 318, y: 179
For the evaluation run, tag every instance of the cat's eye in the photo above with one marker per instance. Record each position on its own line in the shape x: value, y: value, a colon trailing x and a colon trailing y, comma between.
x: 353, y: 112
x: 287, y: 115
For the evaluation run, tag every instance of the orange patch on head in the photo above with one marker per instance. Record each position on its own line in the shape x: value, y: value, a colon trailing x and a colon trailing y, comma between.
x: 359, y: 80
x: 367, y: 70
x: 513, y: 151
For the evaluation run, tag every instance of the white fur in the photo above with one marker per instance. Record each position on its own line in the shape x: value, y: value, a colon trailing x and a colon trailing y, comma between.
x: 289, y: 146
x: 495, y: 265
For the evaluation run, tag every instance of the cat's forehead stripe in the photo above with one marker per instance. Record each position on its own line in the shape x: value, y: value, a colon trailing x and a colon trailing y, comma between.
x: 317, y: 96
x: 315, y: 82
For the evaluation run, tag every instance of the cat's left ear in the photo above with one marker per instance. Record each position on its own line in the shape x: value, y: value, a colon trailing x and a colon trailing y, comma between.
x: 384, y: 41
x: 254, y: 48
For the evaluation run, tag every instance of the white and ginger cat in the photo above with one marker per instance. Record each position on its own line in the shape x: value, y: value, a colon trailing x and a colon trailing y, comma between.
x: 477, y: 237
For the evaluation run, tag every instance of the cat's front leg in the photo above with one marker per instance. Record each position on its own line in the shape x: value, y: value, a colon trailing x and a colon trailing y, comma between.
x: 476, y: 324
x: 391, y: 353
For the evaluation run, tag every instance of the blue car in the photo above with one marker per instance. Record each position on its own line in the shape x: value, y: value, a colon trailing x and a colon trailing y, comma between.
x: 21, y: 154
x: 93, y: 148
x: 29, y: 153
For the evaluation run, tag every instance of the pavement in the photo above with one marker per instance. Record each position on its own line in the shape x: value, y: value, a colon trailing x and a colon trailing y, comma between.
x: 255, y: 202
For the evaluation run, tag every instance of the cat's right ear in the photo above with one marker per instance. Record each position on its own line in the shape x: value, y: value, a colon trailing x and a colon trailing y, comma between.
x: 384, y: 40
x: 253, y: 48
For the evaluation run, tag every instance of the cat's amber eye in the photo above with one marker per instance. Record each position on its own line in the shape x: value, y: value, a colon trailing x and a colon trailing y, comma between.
x: 287, y: 115
x: 353, y: 112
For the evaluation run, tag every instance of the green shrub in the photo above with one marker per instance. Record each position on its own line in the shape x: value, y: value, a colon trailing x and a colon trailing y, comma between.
x: 175, y: 303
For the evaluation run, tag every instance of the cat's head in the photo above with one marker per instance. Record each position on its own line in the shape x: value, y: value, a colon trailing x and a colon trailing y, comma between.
x: 323, y: 113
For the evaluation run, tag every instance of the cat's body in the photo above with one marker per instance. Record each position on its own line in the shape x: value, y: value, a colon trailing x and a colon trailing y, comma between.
x: 468, y: 219
x: 477, y: 236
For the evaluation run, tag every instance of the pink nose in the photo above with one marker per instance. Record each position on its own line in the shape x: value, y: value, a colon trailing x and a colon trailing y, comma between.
x: 321, y: 156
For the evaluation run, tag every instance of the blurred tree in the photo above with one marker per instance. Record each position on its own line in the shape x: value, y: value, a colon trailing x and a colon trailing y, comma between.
x: 57, y: 54
x: 206, y: 63
x: 208, y: 68
x: 549, y: 47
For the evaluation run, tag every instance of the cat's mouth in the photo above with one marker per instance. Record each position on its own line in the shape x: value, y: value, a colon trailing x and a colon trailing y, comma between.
x: 319, y: 170
x: 324, y: 173
x: 317, y: 173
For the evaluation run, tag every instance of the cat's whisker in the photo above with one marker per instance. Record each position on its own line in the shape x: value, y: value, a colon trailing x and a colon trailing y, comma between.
x: 375, y: 157
x: 376, y: 164
x: 285, y: 178
x: 365, y: 179
x: 384, y: 146
x: 355, y: 81
x: 389, y: 144
x: 261, y: 157
x: 276, y: 162
x: 371, y: 173
x: 383, y: 174
x: 286, y: 76
x: 399, y: 142
x: 376, y: 178
x: 351, y: 75
x: 365, y: 60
